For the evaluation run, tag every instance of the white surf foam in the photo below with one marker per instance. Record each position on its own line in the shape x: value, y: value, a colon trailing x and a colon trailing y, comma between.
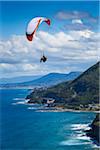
x: 96, y: 146
x: 83, y: 137
x: 78, y: 136
x: 17, y: 99
x: 73, y: 142
x: 32, y: 108
x: 20, y: 102
x: 80, y: 127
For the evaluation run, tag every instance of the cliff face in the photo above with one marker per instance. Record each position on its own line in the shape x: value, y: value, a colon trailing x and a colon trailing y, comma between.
x: 94, y: 132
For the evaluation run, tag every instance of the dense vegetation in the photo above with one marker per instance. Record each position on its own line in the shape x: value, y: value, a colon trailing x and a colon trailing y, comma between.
x: 83, y: 90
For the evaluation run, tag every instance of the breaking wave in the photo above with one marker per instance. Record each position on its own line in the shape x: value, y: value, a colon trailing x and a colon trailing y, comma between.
x: 73, y: 142
x: 78, y: 136
x: 17, y: 99
x: 80, y: 127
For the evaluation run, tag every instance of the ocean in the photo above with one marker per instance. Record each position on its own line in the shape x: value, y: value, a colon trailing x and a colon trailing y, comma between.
x: 21, y: 128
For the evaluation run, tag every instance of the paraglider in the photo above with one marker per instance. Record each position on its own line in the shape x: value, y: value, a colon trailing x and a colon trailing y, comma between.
x: 43, y: 58
x: 32, y: 28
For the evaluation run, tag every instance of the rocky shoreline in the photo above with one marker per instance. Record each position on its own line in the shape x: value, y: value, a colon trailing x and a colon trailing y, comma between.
x: 94, y: 132
x: 44, y: 108
x: 50, y: 104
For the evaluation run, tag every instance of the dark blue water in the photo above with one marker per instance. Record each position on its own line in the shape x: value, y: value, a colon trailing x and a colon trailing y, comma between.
x: 23, y: 129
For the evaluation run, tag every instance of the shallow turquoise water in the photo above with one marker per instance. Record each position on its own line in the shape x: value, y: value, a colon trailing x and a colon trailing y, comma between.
x: 24, y: 129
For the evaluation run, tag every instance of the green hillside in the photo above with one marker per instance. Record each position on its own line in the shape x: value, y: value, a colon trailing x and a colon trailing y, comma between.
x: 83, y: 90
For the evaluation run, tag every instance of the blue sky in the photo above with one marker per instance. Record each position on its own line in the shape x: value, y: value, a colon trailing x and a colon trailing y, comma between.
x: 15, y: 15
x: 75, y: 20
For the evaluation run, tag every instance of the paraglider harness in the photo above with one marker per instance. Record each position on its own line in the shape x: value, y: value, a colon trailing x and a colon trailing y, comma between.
x: 43, y: 59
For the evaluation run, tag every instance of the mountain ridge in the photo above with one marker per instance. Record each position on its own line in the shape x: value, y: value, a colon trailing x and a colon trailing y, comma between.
x: 83, y: 90
x: 49, y: 79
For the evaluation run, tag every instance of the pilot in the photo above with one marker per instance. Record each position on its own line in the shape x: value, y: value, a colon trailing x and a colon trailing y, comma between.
x: 43, y: 59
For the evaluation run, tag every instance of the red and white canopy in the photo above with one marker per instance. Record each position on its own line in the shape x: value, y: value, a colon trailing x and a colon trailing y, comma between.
x: 33, y: 25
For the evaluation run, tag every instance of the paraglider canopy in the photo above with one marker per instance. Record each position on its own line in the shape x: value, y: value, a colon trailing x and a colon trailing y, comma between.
x: 33, y: 26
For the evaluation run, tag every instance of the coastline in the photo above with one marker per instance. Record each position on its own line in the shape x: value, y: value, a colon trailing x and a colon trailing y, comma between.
x: 41, y: 108
x: 93, y: 132
x: 65, y: 110
x: 57, y: 109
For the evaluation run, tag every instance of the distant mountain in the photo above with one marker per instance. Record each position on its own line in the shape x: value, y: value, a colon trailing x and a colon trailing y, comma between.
x: 82, y: 90
x: 19, y: 79
x: 47, y: 80
x: 53, y: 79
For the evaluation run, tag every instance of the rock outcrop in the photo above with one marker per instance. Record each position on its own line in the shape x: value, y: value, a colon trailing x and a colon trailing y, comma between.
x: 94, y: 132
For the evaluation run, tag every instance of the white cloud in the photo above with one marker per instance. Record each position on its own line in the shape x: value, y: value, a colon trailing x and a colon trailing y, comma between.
x: 75, y: 21
x: 63, y: 15
x: 29, y: 67
x: 78, y: 20
x: 65, y: 51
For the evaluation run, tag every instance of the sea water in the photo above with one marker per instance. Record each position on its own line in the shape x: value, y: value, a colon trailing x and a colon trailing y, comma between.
x: 22, y: 128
